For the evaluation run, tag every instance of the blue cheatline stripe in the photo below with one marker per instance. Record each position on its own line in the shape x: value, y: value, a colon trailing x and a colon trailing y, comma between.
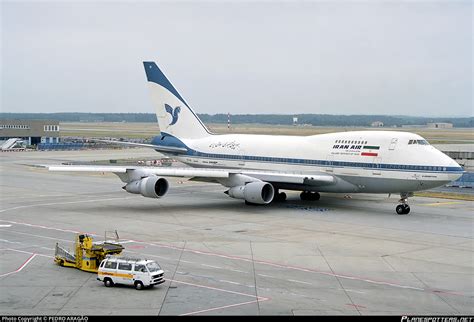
x: 323, y: 163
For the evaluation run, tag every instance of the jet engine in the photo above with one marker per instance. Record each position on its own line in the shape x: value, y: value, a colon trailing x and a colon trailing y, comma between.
x: 150, y: 187
x: 254, y: 192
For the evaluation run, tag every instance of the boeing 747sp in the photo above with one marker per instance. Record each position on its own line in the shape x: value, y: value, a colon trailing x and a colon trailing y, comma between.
x: 256, y: 168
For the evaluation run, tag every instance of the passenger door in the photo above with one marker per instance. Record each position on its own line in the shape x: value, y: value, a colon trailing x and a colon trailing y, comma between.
x: 393, y: 144
x: 330, y: 163
x: 376, y: 170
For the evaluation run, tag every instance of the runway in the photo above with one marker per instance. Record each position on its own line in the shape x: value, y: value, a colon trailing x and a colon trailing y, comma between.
x: 334, y: 256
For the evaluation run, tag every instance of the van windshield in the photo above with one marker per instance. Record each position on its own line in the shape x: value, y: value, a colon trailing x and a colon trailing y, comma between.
x: 153, y: 267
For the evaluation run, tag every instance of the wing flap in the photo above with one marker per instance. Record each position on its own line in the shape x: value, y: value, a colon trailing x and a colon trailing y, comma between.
x: 170, y: 149
x: 317, y: 179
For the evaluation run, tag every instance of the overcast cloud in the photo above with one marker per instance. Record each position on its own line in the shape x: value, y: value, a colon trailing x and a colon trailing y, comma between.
x: 337, y: 57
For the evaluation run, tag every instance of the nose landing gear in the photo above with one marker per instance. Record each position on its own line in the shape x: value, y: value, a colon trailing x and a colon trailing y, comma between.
x: 403, y: 208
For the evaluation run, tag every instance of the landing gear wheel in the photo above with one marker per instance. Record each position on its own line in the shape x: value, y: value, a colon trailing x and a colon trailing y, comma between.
x: 406, y: 209
x: 315, y: 196
x: 403, y: 209
x: 280, y: 197
x: 309, y: 195
x: 400, y: 209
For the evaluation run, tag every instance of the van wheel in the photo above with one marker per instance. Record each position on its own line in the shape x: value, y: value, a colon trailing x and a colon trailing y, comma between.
x: 108, y: 282
x: 139, y: 285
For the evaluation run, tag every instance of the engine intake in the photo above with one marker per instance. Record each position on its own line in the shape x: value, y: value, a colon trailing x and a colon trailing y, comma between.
x: 150, y: 187
x: 255, y: 192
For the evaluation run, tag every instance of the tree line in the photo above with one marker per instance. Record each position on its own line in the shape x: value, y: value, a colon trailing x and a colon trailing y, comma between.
x: 312, y: 119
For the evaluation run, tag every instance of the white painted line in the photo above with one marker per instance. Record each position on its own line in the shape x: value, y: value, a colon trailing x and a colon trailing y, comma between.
x: 5, y: 226
x: 296, y: 281
x: 230, y: 282
x: 25, y: 252
x: 61, y: 203
x: 211, y: 266
x: 236, y: 270
x: 10, y: 242
x: 221, y: 307
x: 126, y: 241
x: 266, y: 275
x: 354, y: 291
x: 187, y: 261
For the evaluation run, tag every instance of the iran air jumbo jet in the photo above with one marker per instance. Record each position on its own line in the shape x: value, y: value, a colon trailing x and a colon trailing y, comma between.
x: 256, y: 168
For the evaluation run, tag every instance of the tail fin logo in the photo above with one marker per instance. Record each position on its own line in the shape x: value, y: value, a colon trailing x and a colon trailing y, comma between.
x: 174, y: 112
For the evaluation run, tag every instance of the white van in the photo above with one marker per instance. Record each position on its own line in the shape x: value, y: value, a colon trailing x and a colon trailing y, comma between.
x: 130, y: 271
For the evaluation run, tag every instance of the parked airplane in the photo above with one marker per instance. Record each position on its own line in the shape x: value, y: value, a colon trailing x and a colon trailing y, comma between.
x: 256, y: 167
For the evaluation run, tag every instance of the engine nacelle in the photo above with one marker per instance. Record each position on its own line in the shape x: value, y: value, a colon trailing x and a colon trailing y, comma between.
x: 255, y: 192
x: 150, y: 187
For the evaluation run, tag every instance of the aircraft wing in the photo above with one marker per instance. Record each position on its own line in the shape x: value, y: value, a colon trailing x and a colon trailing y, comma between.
x: 204, y: 174
x: 171, y: 149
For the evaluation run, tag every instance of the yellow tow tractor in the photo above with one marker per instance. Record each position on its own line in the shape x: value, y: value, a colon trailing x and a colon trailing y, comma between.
x: 88, y: 255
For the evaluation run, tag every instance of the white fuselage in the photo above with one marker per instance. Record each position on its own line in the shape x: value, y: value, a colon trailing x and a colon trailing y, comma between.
x: 362, y: 161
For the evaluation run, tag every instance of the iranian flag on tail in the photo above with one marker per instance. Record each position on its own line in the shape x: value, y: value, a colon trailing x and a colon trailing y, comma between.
x: 370, y: 150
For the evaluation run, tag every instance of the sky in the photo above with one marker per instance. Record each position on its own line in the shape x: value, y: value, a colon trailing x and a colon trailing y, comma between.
x: 240, y: 57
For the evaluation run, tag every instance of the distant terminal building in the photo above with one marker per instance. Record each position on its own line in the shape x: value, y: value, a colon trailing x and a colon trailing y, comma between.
x: 377, y: 124
x: 31, y: 131
x: 439, y: 125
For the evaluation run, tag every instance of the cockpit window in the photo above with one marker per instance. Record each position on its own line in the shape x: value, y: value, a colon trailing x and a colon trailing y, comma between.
x: 421, y: 142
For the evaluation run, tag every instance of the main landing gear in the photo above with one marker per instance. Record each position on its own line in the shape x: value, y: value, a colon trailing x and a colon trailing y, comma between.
x: 279, y: 196
x: 403, y: 208
x: 310, y: 195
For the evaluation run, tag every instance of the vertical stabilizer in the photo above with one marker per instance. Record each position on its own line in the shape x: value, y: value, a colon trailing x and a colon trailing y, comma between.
x: 175, y: 116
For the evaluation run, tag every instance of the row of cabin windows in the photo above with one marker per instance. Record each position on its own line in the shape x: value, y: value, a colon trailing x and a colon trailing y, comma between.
x: 341, y: 163
x: 125, y: 266
x: 351, y: 142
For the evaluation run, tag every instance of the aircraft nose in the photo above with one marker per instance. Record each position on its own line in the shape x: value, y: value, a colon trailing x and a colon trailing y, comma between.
x: 452, y: 164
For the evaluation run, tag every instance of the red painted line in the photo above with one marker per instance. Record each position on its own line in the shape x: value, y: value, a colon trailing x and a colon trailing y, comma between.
x: 369, y: 154
x: 222, y: 290
x: 356, y: 306
x: 21, y: 267
x: 219, y: 307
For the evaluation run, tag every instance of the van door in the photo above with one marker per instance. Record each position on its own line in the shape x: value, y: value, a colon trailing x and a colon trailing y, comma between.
x: 140, y: 273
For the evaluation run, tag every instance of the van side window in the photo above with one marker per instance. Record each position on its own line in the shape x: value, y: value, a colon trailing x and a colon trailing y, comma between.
x: 111, y: 265
x: 102, y: 264
x: 140, y: 268
x: 125, y: 266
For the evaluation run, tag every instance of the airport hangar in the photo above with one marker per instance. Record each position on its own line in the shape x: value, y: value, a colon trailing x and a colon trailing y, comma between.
x: 33, y: 132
